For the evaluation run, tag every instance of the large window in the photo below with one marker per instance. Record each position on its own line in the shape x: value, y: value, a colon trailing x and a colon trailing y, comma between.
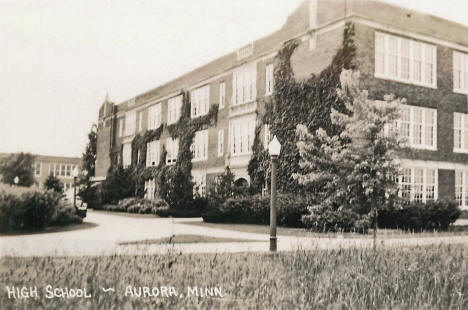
x: 405, y: 60
x: 242, y: 133
x: 200, y: 101
x: 460, y: 72
x: 418, y: 184
x: 154, y: 116
x: 222, y: 94
x: 460, y: 132
x: 127, y: 155
x: 172, y: 148
x: 199, y: 147
x: 200, y: 183
x: 269, y: 80
x: 130, y: 123
x: 150, y: 189
x: 140, y: 121
x: 244, y: 85
x: 121, y: 126
x: 419, y: 126
x: 152, y: 153
x: 461, y: 188
x: 174, y: 105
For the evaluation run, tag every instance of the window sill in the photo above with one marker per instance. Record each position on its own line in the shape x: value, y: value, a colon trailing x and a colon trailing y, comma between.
x: 421, y: 148
x: 194, y: 160
x: 461, y: 151
x: 460, y: 91
x: 409, y: 82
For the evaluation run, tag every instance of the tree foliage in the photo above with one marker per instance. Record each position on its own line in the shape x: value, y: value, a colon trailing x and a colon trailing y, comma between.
x: 354, y: 170
x: 53, y: 183
x: 294, y: 102
x: 89, y: 156
x: 19, y: 165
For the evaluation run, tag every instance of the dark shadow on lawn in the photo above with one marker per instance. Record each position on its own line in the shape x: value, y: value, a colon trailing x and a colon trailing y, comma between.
x: 52, y: 229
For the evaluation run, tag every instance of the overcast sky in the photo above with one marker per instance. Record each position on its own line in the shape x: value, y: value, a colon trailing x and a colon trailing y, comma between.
x: 59, y: 58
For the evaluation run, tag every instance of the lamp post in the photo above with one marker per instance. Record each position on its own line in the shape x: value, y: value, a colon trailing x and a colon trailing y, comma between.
x: 75, y: 175
x: 274, y: 149
x: 16, y: 180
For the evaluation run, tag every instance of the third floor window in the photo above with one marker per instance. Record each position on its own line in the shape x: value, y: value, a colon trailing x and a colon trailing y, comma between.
x: 405, y: 60
x: 154, y: 116
x: 200, y: 101
x: 244, y: 86
x: 130, y: 123
x: 174, y: 105
x: 460, y: 72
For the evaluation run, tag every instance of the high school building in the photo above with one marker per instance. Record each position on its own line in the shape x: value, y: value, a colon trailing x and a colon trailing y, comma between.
x: 415, y: 56
x: 61, y: 167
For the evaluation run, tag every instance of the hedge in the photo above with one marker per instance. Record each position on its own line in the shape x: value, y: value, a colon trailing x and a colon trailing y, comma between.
x: 138, y: 205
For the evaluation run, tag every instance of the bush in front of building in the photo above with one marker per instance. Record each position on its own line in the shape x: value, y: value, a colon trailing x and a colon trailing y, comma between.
x: 256, y: 210
x: 118, y: 185
x: 327, y: 219
x: 140, y: 206
x: 417, y: 216
x: 32, y: 210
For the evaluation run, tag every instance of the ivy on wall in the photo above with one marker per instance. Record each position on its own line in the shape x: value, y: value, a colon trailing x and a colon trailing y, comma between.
x: 173, y: 182
x: 295, y: 102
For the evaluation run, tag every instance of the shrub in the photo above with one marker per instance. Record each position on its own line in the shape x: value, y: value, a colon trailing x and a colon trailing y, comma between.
x: 139, y: 205
x: 417, y: 216
x: 256, y: 210
x: 65, y: 214
x: 327, y: 219
x: 118, y: 185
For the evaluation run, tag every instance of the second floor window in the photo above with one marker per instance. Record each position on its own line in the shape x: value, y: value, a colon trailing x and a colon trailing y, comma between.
x: 460, y: 132
x: 419, y: 127
x: 221, y: 142
x: 140, y: 121
x: 200, y: 101
x: 174, y: 106
x: 244, y: 85
x: 222, y: 95
x: 199, y: 147
x: 172, y: 148
x: 127, y: 155
x: 154, y: 116
x: 270, y: 79
x: 152, y: 153
x: 37, y: 169
x: 460, y: 72
x: 242, y: 133
x: 405, y: 60
x: 130, y: 123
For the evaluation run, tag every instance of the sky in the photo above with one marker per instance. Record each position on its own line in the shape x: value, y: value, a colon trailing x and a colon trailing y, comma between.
x: 59, y: 58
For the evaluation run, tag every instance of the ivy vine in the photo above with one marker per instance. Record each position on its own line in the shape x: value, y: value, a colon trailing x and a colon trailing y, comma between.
x: 294, y: 102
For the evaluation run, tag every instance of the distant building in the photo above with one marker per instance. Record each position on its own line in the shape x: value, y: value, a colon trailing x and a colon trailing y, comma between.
x: 410, y: 54
x: 61, y: 167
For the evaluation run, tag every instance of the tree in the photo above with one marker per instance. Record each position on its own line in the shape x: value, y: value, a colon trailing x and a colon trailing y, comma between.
x: 19, y: 165
x: 53, y: 183
x: 355, y: 170
x: 89, y: 156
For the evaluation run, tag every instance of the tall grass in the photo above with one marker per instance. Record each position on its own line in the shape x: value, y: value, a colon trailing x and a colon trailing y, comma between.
x: 409, y: 278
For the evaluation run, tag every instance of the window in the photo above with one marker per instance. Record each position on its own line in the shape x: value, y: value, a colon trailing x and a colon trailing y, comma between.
x: 62, y: 170
x: 127, y: 155
x: 222, y: 95
x: 172, y: 148
x: 461, y: 188
x: 405, y: 60
x: 200, y: 101
x: 460, y: 72
x: 220, y: 142
x: 266, y: 136
x: 418, y: 184
x: 130, y: 123
x: 152, y: 153
x: 37, y: 169
x: 269, y: 80
x: 242, y: 134
x: 150, y: 189
x: 68, y: 173
x: 121, y: 125
x: 244, y: 85
x: 174, y: 105
x: 200, y: 184
x: 199, y: 147
x: 154, y: 116
x: 419, y: 126
x: 460, y: 132
x: 140, y: 121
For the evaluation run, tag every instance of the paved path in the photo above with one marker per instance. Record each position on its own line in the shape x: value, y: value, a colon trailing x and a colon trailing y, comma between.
x: 110, y: 230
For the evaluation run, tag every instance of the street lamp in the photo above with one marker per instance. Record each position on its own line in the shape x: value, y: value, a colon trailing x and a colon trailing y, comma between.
x: 75, y: 175
x: 274, y: 149
x: 16, y: 180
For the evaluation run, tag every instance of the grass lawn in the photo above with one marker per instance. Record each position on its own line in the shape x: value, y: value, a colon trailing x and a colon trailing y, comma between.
x: 404, y: 278
x: 186, y: 239
x: 300, y: 232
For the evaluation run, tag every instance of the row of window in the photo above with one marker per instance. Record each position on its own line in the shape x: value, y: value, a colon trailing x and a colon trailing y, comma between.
x: 421, y: 184
x: 58, y: 170
x: 415, y: 62
x: 199, y: 187
x: 244, y: 91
